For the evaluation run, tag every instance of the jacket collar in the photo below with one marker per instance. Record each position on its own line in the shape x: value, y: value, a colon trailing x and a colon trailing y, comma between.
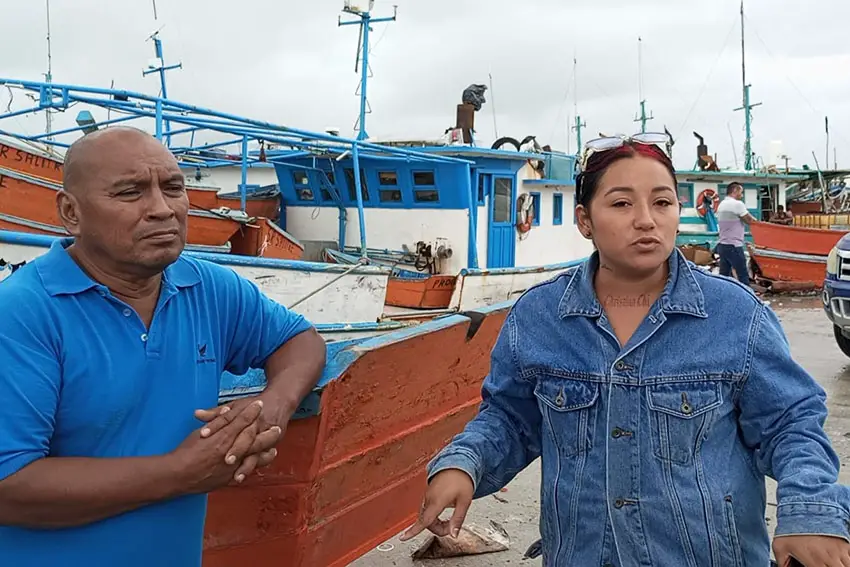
x: 682, y: 294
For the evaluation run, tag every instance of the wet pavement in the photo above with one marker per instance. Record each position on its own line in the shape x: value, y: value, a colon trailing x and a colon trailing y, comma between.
x: 813, y: 346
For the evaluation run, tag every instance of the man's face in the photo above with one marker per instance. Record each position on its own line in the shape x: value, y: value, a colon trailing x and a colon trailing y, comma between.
x: 129, y: 204
x: 738, y: 192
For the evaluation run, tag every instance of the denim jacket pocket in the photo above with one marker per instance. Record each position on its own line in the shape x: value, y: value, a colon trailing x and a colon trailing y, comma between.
x: 679, y: 412
x: 569, y: 412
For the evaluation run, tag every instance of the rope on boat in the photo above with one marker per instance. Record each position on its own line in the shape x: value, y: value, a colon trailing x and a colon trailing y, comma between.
x: 360, y: 262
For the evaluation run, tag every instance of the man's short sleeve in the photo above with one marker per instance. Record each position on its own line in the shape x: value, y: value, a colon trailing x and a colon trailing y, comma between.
x: 30, y: 378
x: 741, y: 209
x: 256, y: 325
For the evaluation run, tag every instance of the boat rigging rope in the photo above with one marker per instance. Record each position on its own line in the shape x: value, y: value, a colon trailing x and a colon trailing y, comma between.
x: 360, y: 262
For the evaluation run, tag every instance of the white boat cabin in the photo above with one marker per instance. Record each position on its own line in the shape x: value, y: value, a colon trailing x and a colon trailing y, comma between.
x: 407, y: 201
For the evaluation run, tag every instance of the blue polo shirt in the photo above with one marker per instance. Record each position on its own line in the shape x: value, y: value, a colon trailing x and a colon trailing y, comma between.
x: 81, y: 376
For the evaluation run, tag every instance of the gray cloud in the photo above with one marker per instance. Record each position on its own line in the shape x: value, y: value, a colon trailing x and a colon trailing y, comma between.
x: 289, y: 62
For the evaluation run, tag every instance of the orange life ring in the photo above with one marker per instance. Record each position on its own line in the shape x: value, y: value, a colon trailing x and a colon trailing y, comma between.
x: 524, y: 213
x: 710, y: 193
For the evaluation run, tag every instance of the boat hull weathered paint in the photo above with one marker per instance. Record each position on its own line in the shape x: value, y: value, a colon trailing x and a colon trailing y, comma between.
x: 345, y: 298
x: 789, y: 267
x: 477, y: 288
x: 264, y: 202
x: 32, y: 199
x: 353, y: 476
x: 263, y: 238
x: 430, y: 292
x: 795, y: 239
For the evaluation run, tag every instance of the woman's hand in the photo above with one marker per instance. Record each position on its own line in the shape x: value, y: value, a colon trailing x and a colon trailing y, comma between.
x: 451, y: 488
x: 812, y: 550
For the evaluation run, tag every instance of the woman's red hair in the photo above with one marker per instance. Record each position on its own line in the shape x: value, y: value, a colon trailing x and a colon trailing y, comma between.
x: 588, y: 179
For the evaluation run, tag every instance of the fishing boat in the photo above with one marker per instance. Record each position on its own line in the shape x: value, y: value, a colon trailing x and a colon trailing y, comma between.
x: 399, y: 384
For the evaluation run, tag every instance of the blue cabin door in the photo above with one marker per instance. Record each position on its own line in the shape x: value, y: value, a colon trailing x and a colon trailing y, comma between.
x: 501, y: 237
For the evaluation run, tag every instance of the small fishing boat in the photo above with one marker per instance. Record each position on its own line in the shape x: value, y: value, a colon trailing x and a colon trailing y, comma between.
x: 795, y: 239
x: 781, y: 266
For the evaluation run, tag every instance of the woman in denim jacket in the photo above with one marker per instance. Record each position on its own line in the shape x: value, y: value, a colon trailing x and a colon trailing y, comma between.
x: 659, y: 396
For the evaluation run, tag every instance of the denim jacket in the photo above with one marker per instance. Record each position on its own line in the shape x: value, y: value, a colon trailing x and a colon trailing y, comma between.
x: 654, y: 453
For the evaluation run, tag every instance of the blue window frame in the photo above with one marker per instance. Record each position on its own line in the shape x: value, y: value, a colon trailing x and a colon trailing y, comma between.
x: 301, y: 182
x: 352, y: 190
x: 535, y: 206
x: 425, y: 187
x: 326, y: 176
x: 388, y: 190
x: 685, y: 192
x: 557, y: 209
x: 482, y: 188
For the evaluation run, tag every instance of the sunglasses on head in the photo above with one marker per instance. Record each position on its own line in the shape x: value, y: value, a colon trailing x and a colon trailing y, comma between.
x: 660, y: 139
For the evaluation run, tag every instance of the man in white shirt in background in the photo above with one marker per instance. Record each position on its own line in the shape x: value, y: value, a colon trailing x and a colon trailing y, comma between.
x: 732, y: 215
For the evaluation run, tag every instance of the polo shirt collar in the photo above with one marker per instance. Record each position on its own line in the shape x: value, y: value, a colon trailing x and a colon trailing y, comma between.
x: 61, y: 275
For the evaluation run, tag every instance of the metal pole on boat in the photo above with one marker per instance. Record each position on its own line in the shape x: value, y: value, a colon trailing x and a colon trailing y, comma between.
x: 364, y: 20
x: 161, y: 68
x: 747, y: 107
x: 643, y: 118
x: 48, y: 77
x: 243, y: 187
x: 361, y: 217
x: 472, y: 256
x: 578, y: 124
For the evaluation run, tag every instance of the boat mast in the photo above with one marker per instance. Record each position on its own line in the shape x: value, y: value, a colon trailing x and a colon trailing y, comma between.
x: 48, y: 77
x: 578, y: 123
x: 161, y: 68
x: 364, y: 20
x: 747, y: 107
x: 643, y: 118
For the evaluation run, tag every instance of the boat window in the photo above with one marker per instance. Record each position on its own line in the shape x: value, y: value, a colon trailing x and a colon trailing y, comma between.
x: 425, y: 190
x: 390, y: 196
x: 535, y: 207
x: 685, y: 193
x: 502, y: 193
x: 299, y: 176
x: 557, y: 209
x: 352, y: 190
x: 482, y: 189
x: 423, y: 178
x: 326, y: 177
x: 387, y: 178
x: 304, y: 194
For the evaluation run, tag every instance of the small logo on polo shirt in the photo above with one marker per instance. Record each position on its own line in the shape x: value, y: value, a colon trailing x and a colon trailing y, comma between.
x: 202, y: 355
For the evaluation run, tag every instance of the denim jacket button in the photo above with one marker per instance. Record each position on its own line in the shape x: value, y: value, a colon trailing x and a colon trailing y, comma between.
x: 620, y: 365
x: 618, y: 503
x: 616, y: 433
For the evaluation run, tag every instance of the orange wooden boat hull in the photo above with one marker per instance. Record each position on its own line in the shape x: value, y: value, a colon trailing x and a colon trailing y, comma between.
x: 795, y: 239
x: 268, y: 208
x: 51, y: 169
x: 434, y: 292
x: 31, y: 163
x: 354, y: 475
x: 264, y: 238
x: 35, y: 201
x: 777, y: 266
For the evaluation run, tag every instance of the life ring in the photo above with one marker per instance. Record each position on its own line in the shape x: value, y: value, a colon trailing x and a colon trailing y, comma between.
x: 711, y: 194
x: 524, y: 213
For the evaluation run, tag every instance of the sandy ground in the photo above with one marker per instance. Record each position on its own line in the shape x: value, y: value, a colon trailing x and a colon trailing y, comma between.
x: 517, y: 509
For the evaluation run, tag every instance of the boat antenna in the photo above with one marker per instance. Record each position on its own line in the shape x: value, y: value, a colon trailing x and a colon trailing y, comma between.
x: 746, y: 107
x: 493, y: 103
x: 158, y: 66
x: 48, y: 77
x: 364, y: 20
x: 642, y: 118
x: 578, y: 123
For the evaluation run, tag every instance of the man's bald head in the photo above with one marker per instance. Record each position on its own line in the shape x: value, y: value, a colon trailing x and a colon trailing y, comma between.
x: 87, y: 154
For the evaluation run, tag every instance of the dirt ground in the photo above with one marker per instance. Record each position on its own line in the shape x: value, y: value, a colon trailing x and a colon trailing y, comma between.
x: 517, y: 509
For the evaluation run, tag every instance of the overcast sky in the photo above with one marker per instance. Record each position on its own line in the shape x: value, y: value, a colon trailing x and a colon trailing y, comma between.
x: 288, y: 62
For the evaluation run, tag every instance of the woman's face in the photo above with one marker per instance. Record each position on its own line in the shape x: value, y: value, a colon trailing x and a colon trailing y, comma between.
x: 634, y: 215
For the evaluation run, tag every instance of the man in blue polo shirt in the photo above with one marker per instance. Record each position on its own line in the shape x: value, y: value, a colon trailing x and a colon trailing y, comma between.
x: 112, y: 346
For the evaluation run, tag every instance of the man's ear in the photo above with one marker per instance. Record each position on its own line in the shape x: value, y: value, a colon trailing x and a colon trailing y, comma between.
x: 69, y: 212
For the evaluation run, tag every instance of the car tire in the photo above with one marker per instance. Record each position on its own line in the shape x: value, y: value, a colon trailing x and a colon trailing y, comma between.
x: 842, y: 341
